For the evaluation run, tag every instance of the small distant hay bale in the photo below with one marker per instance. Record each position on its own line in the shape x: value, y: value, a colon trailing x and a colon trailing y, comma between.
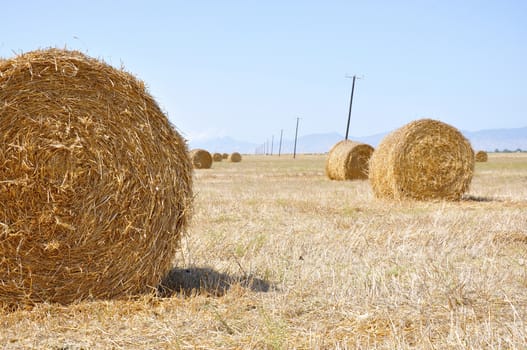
x: 481, y: 156
x: 217, y: 157
x: 235, y: 157
x: 348, y: 160
x: 424, y: 160
x: 225, y: 155
x: 95, y: 184
x: 201, y: 159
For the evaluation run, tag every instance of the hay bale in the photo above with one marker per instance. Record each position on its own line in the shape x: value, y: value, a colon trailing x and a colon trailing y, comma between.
x: 425, y: 160
x: 481, y: 156
x: 225, y: 155
x: 235, y: 157
x: 348, y: 160
x: 201, y: 159
x: 95, y: 184
x: 217, y: 157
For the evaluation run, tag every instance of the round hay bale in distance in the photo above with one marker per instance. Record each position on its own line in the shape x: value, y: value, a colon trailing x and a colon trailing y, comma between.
x: 424, y: 160
x: 348, y: 160
x: 95, y: 184
x: 201, y: 159
x: 217, y: 157
x: 225, y: 155
x: 235, y: 157
x: 481, y: 156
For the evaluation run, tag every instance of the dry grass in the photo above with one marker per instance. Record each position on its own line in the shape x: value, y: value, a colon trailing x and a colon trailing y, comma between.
x: 330, y: 267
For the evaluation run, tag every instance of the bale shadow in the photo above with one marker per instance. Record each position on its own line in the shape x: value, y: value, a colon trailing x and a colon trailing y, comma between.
x: 471, y: 198
x: 204, y: 280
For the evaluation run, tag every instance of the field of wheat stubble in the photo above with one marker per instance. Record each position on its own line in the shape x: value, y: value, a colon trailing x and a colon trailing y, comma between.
x: 280, y: 257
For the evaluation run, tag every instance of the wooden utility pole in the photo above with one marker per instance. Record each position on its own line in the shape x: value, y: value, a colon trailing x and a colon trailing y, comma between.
x: 351, y: 103
x: 280, y: 145
x: 296, y: 136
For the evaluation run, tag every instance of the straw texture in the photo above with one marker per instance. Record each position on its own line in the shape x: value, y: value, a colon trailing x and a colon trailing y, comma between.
x: 95, y: 184
x: 201, y: 159
x: 217, y: 157
x: 424, y: 160
x: 481, y: 156
x: 348, y: 160
x: 235, y: 157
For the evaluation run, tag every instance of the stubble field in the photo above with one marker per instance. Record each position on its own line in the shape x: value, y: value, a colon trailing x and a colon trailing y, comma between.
x: 279, y: 257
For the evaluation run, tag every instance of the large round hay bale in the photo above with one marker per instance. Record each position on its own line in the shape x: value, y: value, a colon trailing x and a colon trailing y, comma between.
x: 235, y: 157
x: 217, y: 157
x: 348, y: 160
x: 95, y: 184
x: 201, y: 159
x: 425, y: 160
x: 481, y: 156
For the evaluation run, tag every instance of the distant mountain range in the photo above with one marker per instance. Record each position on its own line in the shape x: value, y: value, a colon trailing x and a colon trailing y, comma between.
x: 488, y: 140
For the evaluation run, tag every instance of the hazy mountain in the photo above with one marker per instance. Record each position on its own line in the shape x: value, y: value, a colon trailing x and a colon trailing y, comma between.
x: 500, y: 139
x: 223, y: 145
x: 488, y: 140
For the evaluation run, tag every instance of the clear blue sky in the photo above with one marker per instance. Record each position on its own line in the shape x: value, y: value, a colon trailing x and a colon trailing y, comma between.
x: 247, y: 69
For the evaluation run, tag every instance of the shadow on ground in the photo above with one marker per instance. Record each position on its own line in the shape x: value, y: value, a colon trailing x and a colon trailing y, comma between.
x: 204, y: 280
x: 470, y: 198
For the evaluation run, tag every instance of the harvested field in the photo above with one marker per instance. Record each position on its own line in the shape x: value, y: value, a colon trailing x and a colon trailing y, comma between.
x: 323, y: 268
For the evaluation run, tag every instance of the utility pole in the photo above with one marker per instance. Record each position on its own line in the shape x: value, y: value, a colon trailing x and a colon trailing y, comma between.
x: 280, y: 146
x: 351, y: 103
x: 296, y: 135
x: 272, y: 144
